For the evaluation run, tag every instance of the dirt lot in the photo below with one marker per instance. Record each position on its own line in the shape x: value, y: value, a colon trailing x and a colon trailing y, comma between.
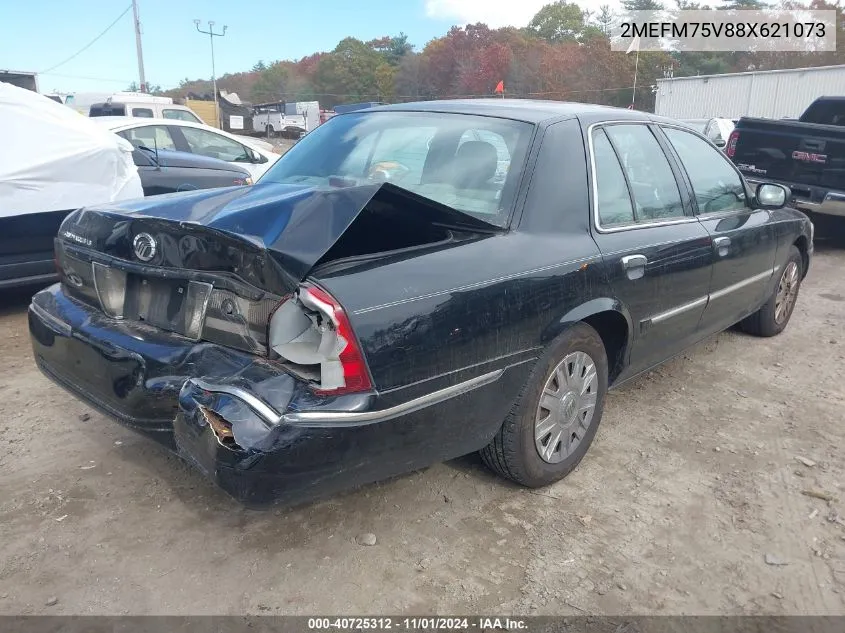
x: 690, y: 501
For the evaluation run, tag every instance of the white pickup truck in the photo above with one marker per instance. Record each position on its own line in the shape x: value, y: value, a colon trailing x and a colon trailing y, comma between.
x: 286, y: 119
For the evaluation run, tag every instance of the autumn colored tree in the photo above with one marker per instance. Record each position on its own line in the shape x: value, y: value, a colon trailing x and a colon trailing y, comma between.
x: 386, y: 82
x: 563, y: 53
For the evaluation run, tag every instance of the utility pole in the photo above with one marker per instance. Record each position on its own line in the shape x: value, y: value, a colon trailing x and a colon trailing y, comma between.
x: 211, y: 35
x: 138, y: 46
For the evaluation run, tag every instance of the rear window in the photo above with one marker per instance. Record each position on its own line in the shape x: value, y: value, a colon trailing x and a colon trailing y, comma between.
x: 829, y: 112
x: 107, y: 109
x: 470, y: 163
x: 180, y: 115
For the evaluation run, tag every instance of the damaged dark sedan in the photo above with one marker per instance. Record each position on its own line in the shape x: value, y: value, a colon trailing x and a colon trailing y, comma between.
x: 413, y: 283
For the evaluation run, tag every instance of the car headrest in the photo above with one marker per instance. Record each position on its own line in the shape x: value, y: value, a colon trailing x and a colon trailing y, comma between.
x: 475, y: 164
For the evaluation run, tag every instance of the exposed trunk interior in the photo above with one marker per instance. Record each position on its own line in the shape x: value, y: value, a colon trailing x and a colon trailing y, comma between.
x: 397, y: 220
x: 379, y: 228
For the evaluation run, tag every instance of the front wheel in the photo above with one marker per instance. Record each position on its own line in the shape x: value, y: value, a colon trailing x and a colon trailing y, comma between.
x: 773, y: 317
x: 555, y: 418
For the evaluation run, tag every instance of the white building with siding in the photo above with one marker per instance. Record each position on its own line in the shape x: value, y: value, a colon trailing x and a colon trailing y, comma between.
x: 771, y: 94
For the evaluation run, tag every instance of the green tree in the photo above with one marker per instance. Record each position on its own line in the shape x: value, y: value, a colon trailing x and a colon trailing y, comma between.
x: 558, y: 22
x: 746, y: 4
x: 152, y: 89
x: 271, y: 83
x: 348, y: 72
x: 259, y: 66
x: 604, y: 19
x: 642, y: 5
x: 393, y: 49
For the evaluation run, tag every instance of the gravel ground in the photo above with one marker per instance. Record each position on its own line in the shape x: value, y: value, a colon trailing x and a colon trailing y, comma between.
x: 691, y: 500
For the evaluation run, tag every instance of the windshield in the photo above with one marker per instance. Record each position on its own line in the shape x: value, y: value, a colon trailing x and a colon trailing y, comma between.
x: 470, y: 163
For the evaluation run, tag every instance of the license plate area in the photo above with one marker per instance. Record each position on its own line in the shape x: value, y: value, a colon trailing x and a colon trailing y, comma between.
x: 175, y: 305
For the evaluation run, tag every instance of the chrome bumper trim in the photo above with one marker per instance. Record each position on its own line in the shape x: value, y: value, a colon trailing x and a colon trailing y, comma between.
x: 833, y: 204
x: 267, y: 413
x: 350, y: 418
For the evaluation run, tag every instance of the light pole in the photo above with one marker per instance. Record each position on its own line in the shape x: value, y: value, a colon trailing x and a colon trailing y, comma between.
x: 211, y: 35
x: 138, y: 46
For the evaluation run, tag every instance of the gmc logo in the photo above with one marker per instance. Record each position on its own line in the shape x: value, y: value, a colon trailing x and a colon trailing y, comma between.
x: 809, y: 158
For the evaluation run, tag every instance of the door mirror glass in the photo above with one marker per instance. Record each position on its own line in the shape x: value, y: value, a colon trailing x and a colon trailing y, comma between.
x: 771, y: 196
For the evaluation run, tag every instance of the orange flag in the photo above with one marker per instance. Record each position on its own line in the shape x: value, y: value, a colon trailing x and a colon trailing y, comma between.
x: 500, y: 88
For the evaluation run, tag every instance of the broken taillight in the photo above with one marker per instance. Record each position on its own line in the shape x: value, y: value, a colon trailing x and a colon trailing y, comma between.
x: 312, y: 334
x: 730, y: 148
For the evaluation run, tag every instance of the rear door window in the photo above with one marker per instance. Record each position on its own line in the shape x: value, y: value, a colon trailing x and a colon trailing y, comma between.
x: 207, y: 143
x: 151, y: 136
x: 145, y: 113
x: 613, y: 198
x: 179, y: 115
x: 653, y: 185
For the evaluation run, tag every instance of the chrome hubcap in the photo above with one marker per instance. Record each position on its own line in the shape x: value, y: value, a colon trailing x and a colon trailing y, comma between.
x: 566, y: 407
x: 787, y: 293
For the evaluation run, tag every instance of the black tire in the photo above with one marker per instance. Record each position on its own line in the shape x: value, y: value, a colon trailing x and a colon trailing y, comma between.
x: 270, y: 131
x: 513, y: 453
x: 765, y: 321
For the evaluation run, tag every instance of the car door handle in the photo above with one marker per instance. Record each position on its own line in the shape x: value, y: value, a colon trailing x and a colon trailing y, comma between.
x: 722, y: 245
x: 634, y: 265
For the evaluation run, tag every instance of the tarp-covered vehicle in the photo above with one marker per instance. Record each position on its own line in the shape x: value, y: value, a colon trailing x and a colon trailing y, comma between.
x: 52, y: 161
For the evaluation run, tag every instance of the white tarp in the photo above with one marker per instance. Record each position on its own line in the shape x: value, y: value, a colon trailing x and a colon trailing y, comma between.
x: 54, y: 159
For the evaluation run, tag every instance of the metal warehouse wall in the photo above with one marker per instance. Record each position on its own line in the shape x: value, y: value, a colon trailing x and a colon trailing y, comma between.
x: 769, y: 94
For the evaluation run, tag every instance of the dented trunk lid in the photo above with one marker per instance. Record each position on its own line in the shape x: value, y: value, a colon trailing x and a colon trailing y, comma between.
x: 268, y: 235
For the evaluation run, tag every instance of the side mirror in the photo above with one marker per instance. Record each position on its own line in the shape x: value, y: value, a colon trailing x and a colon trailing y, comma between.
x: 720, y: 142
x: 771, y: 196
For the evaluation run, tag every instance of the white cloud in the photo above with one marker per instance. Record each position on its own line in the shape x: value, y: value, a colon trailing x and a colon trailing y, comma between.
x: 496, y: 13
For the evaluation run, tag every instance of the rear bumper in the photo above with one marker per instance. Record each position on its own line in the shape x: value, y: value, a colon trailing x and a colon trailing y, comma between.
x: 813, y: 199
x: 286, y: 444
x: 832, y: 204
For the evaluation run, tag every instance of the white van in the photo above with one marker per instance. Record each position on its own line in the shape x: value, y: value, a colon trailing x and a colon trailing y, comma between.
x: 140, y: 105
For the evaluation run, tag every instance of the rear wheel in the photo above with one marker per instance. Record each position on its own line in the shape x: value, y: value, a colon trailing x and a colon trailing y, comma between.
x: 555, y: 418
x: 270, y: 131
x: 773, y: 317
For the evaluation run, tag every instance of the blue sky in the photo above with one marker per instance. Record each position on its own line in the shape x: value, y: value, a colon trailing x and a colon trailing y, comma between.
x: 38, y: 34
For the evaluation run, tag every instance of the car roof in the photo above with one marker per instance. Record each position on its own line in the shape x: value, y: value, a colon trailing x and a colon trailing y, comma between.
x: 120, y: 123
x: 114, y: 122
x: 529, y: 110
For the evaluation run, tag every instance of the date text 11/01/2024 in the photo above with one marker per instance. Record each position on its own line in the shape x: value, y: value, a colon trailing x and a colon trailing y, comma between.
x: 417, y: 623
